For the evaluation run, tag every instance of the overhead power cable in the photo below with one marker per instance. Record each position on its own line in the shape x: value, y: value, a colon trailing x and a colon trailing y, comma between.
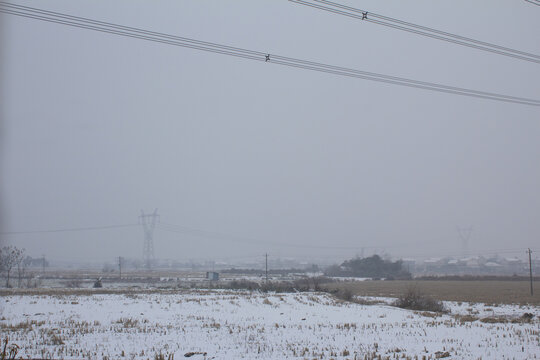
x: 67, y: 229
x: 426, y: 255
x: 375, y: 18
x: 233, y: 238
x: 534, y: 2
x: 85, y: 23
x: 479, y: 253
x: 227, y: 237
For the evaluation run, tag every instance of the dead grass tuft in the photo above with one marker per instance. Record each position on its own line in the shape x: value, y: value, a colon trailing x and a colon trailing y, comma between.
x: 128, y: 322
x: 465, y: 318
x: 267, y: 302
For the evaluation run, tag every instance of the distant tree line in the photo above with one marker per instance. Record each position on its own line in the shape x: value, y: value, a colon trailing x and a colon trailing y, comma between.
x: 370, y: 267
x: 314, y: 268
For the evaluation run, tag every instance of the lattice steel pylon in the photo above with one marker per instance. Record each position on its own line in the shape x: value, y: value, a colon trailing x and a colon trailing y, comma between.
x: 465, y: 235
x: 148, y: 221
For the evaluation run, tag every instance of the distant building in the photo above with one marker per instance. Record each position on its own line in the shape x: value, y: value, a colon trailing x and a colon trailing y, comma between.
x: 213, y: 276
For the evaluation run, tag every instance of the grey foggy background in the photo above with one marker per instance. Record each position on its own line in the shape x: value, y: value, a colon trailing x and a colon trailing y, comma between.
x: 96, y: 127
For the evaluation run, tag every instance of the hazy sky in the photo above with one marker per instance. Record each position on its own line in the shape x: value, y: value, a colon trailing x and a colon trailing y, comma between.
x: 96, y: 127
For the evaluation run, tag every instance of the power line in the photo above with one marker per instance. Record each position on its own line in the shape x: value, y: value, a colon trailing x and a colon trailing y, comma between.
x: 233, y: 238
x: 90, y: 228
x: 122, y: 27
x: 255, y: 257
x: 216, y: 235
x: 534, y: 2
x: 115, y: 29
x: 492, y: 252
x: 378, y: 19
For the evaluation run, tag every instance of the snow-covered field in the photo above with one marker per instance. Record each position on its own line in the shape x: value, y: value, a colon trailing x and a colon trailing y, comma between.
x: 245, y: 325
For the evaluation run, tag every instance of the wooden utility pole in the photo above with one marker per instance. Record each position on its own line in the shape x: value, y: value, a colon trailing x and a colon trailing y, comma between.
x: 120, y: 266
x: 43, y: 265
x: 530, y: 270
x: 266, y: 255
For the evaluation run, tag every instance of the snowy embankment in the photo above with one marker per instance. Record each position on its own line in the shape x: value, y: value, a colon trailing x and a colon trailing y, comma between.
x: 234, y: 325
x: 481, y: 311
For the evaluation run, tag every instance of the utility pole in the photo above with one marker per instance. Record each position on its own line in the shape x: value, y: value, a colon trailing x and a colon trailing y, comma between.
x: 530, y: 270
x: 42, y: 264
x: 266, y: 256
x: 148, y: 221
x: 120, y: 266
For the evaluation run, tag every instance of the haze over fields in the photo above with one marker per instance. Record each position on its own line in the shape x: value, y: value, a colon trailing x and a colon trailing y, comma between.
x: 96, y: 127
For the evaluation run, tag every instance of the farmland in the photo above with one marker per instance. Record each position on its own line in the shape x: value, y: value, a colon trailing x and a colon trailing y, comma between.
x: 495, y: 291
x: 226, y: 324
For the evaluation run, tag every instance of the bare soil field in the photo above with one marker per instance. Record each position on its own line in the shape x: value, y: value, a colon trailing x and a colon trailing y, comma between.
x: 489, y: 292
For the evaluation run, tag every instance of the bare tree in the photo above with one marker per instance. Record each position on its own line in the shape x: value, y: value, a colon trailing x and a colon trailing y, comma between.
x: 10, y: 256
x: 22, y: 264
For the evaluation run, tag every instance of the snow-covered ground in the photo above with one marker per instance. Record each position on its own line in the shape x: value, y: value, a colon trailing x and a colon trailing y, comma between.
x: 244, y: 325
x: 508, y: 312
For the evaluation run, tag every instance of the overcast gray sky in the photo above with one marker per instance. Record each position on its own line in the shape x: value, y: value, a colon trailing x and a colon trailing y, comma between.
x: 96, y: 127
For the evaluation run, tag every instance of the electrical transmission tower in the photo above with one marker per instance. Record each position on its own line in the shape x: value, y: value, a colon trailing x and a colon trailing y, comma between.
x: 465, y: 235
x: 148, y: 221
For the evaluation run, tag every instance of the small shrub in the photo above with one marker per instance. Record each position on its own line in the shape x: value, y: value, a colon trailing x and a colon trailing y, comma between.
x: 73, y: 284
x: 98, y: 284
x: 413, y: 299
x: 345, y: 294
x: 243, y: 285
